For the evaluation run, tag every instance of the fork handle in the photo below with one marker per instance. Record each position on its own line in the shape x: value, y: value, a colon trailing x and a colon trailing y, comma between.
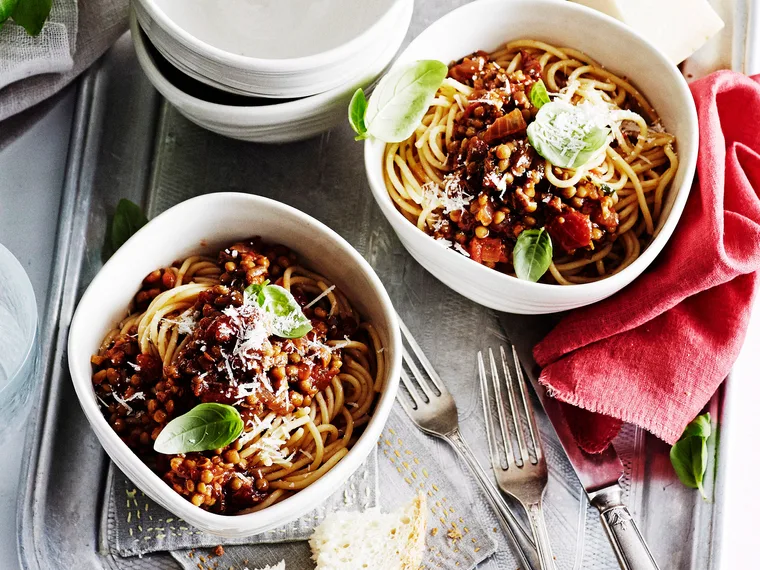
x: 538, y: 524
x: 525, y: 547
x: 629, y: 545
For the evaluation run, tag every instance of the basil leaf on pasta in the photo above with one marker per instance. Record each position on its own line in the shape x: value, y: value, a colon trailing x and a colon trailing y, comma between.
x: 356, y: 111
x: 538, y: 94
x: 205, y: 427
x: 287, y: 318
x: 568, y: 135
x: 402, y: 98
x: 689, y: 454
x: 532, y: 254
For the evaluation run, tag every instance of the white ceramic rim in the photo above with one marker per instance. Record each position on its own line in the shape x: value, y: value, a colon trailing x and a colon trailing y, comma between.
x: 34, y: 317
x: 581, y: 291
x: 307, y: 498
x: 300, y: 106
x: 274, y: 66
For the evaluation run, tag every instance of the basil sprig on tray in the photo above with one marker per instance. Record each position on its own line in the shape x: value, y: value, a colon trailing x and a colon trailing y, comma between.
x: 398, y: 103
x: 127, y: 219
x: 532, y: 254
x: 205, y: 427
x: 288, y: 320
x: 689, y: 454
x: 30, y: 14
x: 567, y: 135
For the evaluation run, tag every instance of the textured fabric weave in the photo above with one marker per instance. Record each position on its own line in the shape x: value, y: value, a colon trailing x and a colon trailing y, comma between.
x: 22, y: 55
x: 655, y: 353
x: 100, y: 23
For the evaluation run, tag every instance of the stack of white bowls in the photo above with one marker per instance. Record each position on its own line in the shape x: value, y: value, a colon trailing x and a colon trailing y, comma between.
x: 266, y: 70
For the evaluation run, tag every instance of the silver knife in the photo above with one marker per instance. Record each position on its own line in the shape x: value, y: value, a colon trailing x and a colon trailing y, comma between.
x: 599, y: 474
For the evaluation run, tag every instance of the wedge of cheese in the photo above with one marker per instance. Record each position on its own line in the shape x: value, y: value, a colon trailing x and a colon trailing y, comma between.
x: 677, y: 27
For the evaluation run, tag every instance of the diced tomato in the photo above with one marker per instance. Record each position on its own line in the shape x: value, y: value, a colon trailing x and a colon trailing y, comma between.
x: 476, y: 250
x: 487, y: 250
x: 570, y: 230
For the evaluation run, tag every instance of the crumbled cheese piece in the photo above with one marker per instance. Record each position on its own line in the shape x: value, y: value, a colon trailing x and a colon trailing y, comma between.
x: 319, y: 297
x: 458, y: 247
x: 185, y: 322
x: 450, y: 198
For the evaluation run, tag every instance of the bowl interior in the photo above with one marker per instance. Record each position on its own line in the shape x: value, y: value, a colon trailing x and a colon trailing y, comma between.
x: 275, y: 29
x: 207, y: 223
x: 562, y: 24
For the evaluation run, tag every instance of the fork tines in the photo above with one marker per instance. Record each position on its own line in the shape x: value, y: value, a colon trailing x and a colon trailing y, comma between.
x: 422, y: 387
x: 518, y: 425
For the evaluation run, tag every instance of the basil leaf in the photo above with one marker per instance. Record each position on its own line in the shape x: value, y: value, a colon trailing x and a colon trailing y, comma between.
x: 205, y: 427
x: 356, y: 111
x: 32, y: 14
x: 532, y: 254
x: 6, y: 9
x: 402, y: 98
x: 538, y: 95
x: 288, y: 320
x: 568, y: 135
x: 689, y: 454
x: 607, y: 190
x: 127, y: 219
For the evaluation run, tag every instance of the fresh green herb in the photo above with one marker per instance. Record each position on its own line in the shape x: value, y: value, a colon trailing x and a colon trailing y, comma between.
x: 30, y: 14
x: 567, y: 135
x: 532, y: 254
x: 356, y: 111
x: 288, y: 320
x: 6, y: 9
x: 127, y: 219
x: 398, y: 103
x: 607, y: 190
x: 538, y: 95
x: 689, y: 454
x: 205, y: 427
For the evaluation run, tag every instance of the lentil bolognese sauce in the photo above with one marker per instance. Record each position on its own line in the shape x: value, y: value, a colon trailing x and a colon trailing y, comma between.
x: 472, y: 176
x: 206, y: 331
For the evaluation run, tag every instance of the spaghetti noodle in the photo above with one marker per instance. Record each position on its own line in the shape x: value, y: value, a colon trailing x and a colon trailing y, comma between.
x: 193, y: 337
x: 469, y: 177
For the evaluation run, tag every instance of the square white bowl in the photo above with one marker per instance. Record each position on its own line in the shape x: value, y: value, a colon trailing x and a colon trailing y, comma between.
x: 488, y: 24
x: 204, y: 224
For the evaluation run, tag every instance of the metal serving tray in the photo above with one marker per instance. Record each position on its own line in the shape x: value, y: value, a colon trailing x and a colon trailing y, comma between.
x: 127, y: 142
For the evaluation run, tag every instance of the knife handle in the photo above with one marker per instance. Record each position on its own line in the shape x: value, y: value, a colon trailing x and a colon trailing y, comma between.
x: 629, y: 545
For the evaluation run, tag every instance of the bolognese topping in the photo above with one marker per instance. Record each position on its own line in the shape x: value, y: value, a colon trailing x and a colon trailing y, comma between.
x: 239, y: 379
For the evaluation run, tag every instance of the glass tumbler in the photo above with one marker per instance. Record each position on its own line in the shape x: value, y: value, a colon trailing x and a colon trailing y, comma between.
x: 18, y: 343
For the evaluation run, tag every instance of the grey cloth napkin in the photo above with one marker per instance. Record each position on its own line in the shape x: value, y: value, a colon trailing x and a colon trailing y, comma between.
x: 22, y: 55
x: 137, y: 525
x: 458, y: 537
x: 100, y: 23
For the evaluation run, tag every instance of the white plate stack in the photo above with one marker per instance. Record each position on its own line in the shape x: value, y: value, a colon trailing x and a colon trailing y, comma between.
x: 266, y: 70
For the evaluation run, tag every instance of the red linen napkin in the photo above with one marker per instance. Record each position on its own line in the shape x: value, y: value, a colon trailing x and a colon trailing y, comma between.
x: 655, y: 353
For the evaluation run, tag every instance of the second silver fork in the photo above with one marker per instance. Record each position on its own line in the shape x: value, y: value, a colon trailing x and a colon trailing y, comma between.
x: 521, y: 470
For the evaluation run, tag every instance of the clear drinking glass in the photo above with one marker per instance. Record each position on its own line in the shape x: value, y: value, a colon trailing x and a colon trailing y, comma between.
x: 18, y: 342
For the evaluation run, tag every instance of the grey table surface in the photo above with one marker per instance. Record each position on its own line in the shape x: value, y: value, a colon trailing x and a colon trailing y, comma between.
x: 31, y: 176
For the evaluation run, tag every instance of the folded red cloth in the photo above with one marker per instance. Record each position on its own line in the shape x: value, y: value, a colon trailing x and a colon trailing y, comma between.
x: 655, y: 353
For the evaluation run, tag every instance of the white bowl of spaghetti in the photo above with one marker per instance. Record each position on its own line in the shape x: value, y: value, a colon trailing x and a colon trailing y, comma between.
x: 298, y: 368
x: 459, y: 204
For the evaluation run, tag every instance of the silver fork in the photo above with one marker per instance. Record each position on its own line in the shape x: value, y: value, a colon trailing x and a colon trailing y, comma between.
x: 522, y: 477
x: 432, y: 408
